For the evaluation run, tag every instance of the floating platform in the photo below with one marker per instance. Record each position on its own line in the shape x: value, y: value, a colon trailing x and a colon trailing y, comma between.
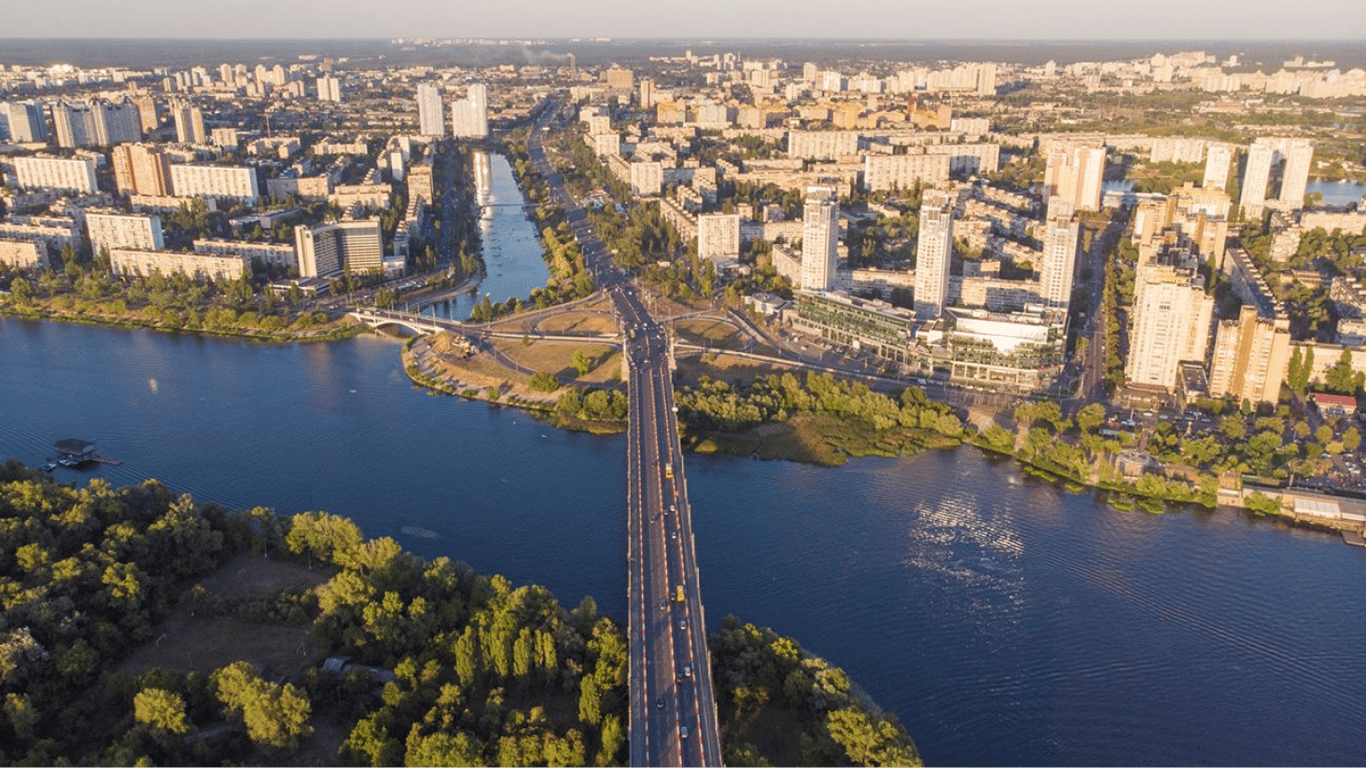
x: 1353, y: 539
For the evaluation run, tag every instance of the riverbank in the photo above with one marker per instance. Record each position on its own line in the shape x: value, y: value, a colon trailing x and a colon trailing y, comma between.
x: 307, y: 325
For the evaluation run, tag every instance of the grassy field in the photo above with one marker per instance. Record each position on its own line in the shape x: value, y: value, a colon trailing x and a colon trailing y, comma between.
x: 702, y: 330
x: 579, y: 322
x: 557, y: 357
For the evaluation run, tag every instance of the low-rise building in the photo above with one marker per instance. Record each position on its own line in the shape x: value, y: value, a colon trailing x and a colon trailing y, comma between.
x: 865, y: 324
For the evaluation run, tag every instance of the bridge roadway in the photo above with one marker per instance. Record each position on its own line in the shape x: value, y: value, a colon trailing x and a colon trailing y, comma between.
x: 673, y: 707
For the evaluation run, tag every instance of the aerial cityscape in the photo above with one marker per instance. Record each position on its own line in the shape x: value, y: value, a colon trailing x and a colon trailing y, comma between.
x: 816, y: 398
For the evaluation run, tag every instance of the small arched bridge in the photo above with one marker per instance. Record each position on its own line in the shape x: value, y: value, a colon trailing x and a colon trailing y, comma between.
x: 376, y: 318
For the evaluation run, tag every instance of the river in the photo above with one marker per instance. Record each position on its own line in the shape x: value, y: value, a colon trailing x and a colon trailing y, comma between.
x: 512, y: 249
x: 1004, y: 620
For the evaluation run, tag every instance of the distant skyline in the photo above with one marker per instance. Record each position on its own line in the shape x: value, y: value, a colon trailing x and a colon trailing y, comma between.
x: 703, y: 19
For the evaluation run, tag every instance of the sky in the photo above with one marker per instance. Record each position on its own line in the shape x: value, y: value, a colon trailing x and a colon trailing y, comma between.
x: 707, y: 19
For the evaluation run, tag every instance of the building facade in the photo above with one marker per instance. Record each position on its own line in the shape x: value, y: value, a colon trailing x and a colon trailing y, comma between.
x: 933, y: 253
x: 820, y: 238
x: 56, y: 173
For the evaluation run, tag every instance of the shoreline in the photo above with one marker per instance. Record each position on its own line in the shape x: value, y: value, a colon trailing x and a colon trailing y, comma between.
x: 783, y: 441
x: 332, y: 330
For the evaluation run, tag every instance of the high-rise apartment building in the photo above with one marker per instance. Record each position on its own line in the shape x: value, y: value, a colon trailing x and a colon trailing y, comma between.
x: 1261, y: 156
x: 108, y: 231
x: 1076, y: 172
x: 329, y: 89
x: 24, y: 121
x: 647, y: 93
x: 56, y: 173
x: 1218, y: 162
x: 1299, y: 159
x: 148, y: 113
x: 1295, y: 158
x: 1171, y: 320
x: 718, y: 237
x: 351, y: 246
x: 1062, y: 233
x: 618, y: 79
x: 647, y: 179
x: 96, y: 123
x: 820, y: 238
x: 1251, y: 356
x: 141, y: 169
x: 470, y: 116
x: 933, y: 253
x: 189, y: 123
x: 430, y: 110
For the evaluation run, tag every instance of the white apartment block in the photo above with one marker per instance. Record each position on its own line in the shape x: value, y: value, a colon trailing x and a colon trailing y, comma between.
x: 881, y: 172
x: 1262, y: 157
x: 1256, y: 175
x: 269, y: 254
x: 329, y: 89
x: 1058, y: 262
x: 23, y: 254
x: 54, y: 232
x: 24, y: 120
x: 605, y: 144
x: 1076, y: 172
x: 646, y: 179
x: 237, y: 182
x: 430, y: 110
x: 62, y: 174
x: 718, y: 237
x: 1251, y: 356
x: 108, y: 231
x: 968, y: 159
x: 1171, y: 324
x: 598, y: 124
x: 1177, y: 150
x: 933, y: 253
x: 820, y: 238
x: 822, y: 145
x: 353, y: 246
x: 127, y: 262
x: 470, y: 116
x: 189, y: 123
x: 1218, y: 162
x: 96, y: 123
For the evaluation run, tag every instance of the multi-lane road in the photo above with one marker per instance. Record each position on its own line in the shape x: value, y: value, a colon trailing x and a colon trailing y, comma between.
x: 673, y: 708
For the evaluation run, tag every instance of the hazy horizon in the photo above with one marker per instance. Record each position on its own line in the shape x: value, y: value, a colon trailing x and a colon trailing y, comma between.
x: 1016, y: 20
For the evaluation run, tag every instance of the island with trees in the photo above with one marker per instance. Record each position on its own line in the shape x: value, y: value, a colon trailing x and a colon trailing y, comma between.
x: 141, y: 627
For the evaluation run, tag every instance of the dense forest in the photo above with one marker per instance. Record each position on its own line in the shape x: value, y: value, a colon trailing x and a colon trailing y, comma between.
x: 399, y: 660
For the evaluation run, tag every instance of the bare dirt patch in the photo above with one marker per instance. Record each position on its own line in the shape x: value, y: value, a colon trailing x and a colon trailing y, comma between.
x: 189, y: 642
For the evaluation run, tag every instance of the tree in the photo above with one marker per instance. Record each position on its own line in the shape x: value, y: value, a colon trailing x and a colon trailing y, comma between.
x: 1090, y: 417
x: 442, y: 749
x: 1341, y: 378
x: 581, y: 363
x: 541, y: 381
x: 161, y: 710
x: 275, y: 716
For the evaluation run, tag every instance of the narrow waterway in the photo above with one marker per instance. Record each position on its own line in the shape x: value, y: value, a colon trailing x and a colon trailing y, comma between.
x: 511, y: 248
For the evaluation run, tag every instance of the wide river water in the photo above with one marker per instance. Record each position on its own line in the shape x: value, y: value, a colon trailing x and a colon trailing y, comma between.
x: 1004, y: 620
